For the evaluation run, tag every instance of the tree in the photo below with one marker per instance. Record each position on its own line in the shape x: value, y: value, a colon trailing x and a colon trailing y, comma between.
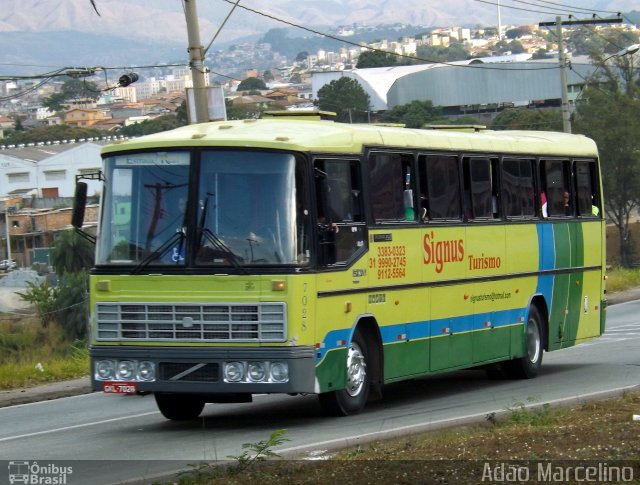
x: 302, y: 56
x: 156, y: 125
x: 71, y: 253
x: 414, y: 114
x: 251, y: 83
x: 267, y: 76
x: 50, y: 133
x: 544, y: 119
x: 542, y: 54
x: 375, y: 59
x: 515, y: 47
x: 181, y: 113
x: 71, y: 304
x: 518, y: 32
x: 455, y: 52
x: 245, y: 111
x: 609, y: 112
x: 347, y: 98
x: 72, y: 89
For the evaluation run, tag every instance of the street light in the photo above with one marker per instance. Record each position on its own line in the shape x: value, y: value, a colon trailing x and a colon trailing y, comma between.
x: 632, y: 49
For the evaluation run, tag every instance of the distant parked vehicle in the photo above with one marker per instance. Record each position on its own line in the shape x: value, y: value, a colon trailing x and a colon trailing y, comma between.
x: 8, y: 264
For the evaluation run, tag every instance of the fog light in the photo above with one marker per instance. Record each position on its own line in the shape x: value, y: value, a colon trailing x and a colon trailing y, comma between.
x: 126, y: 370
x: 233, y: 371
x: 146, y: 371
x: 279, y: 372
x: 257, y: 371
x: 105, y: 370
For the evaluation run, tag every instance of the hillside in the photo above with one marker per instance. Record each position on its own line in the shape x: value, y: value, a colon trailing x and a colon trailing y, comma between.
x: 69, y: 32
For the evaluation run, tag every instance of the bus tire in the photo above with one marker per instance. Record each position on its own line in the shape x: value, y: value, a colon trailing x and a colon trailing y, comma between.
x: 527, y: 366
x: 353, y: 398
x: 179, y: 407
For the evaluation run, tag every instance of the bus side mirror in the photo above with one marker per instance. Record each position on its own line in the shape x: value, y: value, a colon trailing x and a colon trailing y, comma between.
x: 79, y: 204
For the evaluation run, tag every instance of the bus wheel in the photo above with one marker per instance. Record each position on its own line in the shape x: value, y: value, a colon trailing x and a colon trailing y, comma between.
x: 179, y: 407
x: 527, y: 367
x: 353, y: 398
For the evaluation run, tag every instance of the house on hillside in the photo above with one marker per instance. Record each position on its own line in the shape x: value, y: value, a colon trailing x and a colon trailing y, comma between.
x: 6, y: 122
x: 83, y: 117
x: 35, y: 182
x: 48, y: 170
x: 30, y: 230
x: 17, y: 175
x: 57, y: 174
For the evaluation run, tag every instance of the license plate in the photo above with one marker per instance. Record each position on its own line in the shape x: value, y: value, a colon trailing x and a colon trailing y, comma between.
x: 119, y: 387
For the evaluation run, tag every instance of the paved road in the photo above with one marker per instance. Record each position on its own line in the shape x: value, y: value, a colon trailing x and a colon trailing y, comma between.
x: 97, y: 427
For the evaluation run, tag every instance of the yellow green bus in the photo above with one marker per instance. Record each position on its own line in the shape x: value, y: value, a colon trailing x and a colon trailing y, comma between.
x: 301, y: 256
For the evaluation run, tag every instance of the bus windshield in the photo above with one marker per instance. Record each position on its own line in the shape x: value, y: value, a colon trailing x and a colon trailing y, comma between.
x: 245, y: 208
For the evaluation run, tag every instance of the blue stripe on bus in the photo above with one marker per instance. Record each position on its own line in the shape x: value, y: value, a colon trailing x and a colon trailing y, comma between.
x: 547, y: 259
x: 426, y: 329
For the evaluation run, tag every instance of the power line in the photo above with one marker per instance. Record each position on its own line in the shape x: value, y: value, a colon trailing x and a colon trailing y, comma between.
x: 26, y: 91
x: 495, y: 4
x: 80, y: 71
x: 554, y: 6
x: 573, y: 7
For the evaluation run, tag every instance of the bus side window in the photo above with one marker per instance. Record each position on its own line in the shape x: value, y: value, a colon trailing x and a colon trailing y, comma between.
x: 439, y: 187
x: 556, y: 176
x: 339, y: 210
x: 393, y: 190
x: 480, y: 185
x: 518, y: 190
x: 587, y: 199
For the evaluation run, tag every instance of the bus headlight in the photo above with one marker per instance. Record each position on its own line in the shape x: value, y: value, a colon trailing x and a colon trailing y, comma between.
x: 105, y: 370
x: 233, y: 371
x: 257, y: 371
x: 146, y: 371
x: 279, y: 372
x: 126, y: 370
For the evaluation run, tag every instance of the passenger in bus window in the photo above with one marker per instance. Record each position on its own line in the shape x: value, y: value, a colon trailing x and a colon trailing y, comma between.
x: 566, y: 200
x: 424, y: 212
x: 543, y: 204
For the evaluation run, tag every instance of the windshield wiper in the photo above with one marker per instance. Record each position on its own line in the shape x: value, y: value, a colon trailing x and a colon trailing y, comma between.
x: 219, y: 245
x: 178, y: 238
x: 216, y: 242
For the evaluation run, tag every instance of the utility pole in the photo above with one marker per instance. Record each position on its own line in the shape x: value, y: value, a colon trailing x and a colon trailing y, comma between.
x: 499, y: 23
x: 562, y: 58
x: 196, y: 62
x: 564, y: 90
x: 6, y: 222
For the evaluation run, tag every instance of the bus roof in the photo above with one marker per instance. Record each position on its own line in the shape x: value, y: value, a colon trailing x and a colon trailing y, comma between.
x: 331, y: 137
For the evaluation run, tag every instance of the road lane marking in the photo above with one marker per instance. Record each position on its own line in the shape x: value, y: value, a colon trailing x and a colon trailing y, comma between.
x: 75, y: 426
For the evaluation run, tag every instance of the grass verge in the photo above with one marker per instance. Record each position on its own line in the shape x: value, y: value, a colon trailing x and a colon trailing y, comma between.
x: 31, y: 354
x: 620, y: 279
x: 593, y: 434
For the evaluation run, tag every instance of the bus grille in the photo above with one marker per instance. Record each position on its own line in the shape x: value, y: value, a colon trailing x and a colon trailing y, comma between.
x: 193, y: 322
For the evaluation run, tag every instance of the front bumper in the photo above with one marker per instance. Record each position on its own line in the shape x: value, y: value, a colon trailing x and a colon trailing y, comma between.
x: 200, y: 370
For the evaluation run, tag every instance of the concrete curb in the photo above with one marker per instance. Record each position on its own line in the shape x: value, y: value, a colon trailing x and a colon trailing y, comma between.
x: 45, y: 392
